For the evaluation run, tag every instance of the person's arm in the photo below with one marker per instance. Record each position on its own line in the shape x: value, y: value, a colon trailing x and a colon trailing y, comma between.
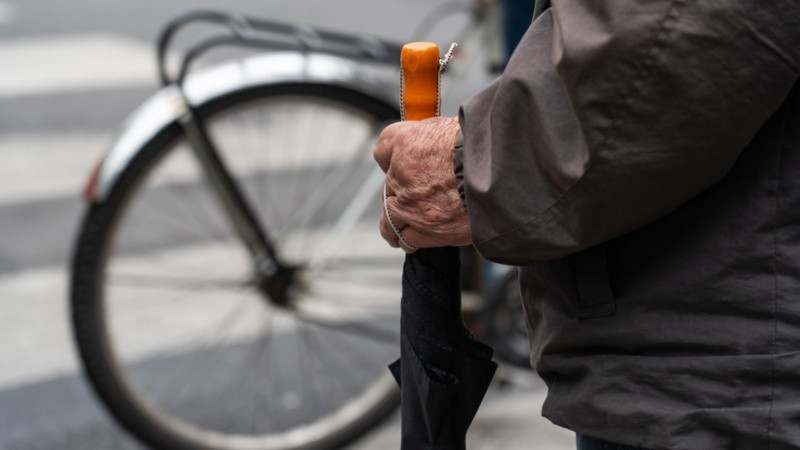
x: 613, y: 113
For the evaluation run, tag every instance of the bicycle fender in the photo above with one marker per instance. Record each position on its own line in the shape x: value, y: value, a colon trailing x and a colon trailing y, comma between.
x: 167, y: 106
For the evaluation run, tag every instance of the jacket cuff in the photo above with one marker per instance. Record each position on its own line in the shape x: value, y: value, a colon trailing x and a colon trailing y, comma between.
x: 458, y: 167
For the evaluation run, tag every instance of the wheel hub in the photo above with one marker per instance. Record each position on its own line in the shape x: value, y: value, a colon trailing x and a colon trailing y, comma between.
x: 278, y: 284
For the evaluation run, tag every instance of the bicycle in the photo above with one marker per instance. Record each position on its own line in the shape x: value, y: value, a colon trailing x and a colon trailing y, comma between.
x: 230, y: 227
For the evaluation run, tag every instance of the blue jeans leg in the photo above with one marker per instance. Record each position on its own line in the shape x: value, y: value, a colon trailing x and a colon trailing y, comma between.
x: 517, y: 16
x: 590, y: 443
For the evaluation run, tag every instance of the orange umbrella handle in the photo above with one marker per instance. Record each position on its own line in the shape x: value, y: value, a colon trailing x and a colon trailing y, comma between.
x: 419, y: 81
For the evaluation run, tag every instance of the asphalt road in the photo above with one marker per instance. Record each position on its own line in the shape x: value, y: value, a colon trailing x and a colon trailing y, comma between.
x: 70, y: 72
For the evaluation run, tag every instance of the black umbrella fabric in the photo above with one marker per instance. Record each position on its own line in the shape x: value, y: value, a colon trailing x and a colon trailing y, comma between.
x: 443, y: 373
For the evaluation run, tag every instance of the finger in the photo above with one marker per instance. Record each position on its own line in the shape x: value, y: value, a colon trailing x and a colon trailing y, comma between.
x: 419, y: 240
x: 384, y: 146
x: 389, y: 184
x: 400, y: 218
x: 391, y: 218
x: 387, y: 233
x: 406, y: 246
x: 407, y: 249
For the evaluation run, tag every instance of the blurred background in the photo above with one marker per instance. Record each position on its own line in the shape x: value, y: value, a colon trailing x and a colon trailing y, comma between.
x: 70, y: 72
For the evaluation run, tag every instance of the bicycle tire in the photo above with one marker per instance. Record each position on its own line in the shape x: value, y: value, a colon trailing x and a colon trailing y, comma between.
x: 94, y: 258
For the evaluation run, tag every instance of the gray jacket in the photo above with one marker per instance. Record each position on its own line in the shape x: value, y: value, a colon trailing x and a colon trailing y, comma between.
x: 641, y: 161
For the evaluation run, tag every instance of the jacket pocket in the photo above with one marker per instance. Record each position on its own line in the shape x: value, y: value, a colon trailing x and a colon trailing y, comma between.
x: 595, y: 298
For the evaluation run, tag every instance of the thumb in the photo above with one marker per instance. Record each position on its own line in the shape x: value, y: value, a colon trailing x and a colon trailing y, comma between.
x: 385, y: 145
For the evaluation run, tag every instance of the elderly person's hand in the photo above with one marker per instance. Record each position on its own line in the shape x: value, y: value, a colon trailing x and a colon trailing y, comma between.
x: 422, y: 197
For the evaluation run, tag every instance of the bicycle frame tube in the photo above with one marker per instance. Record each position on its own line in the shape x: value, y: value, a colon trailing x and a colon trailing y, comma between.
x: 167, y: 106
x: 239, y: 214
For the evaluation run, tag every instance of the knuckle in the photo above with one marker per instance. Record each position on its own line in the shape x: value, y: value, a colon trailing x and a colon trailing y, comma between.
x: 388, y: 133
x: 379, y: 151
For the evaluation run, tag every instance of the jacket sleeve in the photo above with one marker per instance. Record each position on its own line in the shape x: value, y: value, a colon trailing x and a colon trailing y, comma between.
x: 612, y: 113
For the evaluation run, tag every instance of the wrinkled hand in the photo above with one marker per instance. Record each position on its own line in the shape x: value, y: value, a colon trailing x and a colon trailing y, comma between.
x: 421, y: 187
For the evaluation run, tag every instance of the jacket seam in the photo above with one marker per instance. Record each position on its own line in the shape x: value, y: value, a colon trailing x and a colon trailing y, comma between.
x: 651, y: 52
x: 775, y: 284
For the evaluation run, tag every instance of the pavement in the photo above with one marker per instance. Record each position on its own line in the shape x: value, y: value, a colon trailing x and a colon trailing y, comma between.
x: 71, y: 72
x: 508, y: 419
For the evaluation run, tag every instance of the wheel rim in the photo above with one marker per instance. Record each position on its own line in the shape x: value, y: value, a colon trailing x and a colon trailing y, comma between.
x: 213, y: 360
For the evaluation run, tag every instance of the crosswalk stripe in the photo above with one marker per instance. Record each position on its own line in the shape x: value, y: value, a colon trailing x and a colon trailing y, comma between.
x: 33, y: 312
x: 73, y: 63
x: 7, y: 13
x: 33, y: 305
x: 44, y: 166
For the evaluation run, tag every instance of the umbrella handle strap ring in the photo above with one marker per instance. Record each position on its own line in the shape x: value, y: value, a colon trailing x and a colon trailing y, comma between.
x: 398, y: 232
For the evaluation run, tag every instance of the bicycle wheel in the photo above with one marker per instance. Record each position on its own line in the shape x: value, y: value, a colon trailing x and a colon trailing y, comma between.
x: 177, y: 338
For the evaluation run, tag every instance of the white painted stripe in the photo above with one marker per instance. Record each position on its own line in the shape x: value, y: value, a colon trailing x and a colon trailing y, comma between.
x: 37, y: 167
x: 508, y: 419
x: 34, y: 312
x: 34, y: 319
x: 38, y: 346
x: 7, y: 13
x: 46, y: 65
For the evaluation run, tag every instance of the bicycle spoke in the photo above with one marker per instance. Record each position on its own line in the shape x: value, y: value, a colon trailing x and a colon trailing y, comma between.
x: 363, y: 262
x: 161, y: 236
x: 261, y: 345
x: 332, y: 362
x: 181, y: 379
x: 319, y: 382
x: 179, y: 202
x: 148, y: 311
x: 387, y: 279
x: 354, y: 359
x: 136, y: 281
x: 203, y: 342
x: 264, y: 185
x: 330, y: 184
x: 358, y: 329
x: 261, y: 152
x: 349, y: 218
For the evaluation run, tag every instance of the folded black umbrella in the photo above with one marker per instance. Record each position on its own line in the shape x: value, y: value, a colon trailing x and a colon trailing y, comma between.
x: 443, y: 373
